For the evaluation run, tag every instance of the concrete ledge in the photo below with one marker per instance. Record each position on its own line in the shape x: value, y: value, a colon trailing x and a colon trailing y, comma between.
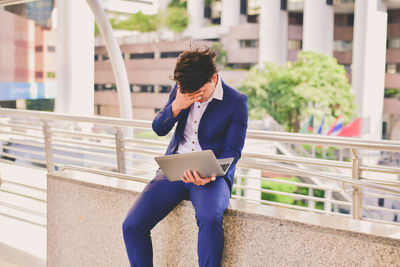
x: 85, y: 229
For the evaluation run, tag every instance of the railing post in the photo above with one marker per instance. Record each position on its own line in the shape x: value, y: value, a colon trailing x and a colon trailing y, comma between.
x: 311, y: 203
x: 119, y: 141
x: 48, y: 147
x: 357, y: 198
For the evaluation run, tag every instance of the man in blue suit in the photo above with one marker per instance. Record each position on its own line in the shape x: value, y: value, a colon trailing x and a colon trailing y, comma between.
x: 210, y: 115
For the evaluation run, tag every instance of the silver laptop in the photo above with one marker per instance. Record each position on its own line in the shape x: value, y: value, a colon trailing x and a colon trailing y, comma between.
x: 204, y: 162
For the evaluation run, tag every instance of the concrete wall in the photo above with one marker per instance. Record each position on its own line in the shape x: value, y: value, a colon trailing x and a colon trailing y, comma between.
x: 84, y: 229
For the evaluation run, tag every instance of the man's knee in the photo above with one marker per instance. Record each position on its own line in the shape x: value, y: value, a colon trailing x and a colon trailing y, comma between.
x: 209, y: 218
x: 132, y: 225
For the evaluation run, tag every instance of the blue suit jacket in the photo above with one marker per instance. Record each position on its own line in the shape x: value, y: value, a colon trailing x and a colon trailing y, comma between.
x: 222, y: 127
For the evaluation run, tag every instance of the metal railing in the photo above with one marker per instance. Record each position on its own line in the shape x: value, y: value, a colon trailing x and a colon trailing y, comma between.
x: 98, y: 145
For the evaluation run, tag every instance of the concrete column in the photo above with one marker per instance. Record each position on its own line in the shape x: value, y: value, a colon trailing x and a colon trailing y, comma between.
x: 230, y: 15
x: 75, y: 63
x: 368, y: 69
x: 273, y: 32
x: 195, y: 10
x: 318, y: 26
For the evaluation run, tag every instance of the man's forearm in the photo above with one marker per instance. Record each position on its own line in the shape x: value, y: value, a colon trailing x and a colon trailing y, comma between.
x: 175, y: 111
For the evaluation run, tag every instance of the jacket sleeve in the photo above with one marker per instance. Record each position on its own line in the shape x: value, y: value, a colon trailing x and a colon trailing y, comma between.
x: 163, y: 122
x: 236, y: 132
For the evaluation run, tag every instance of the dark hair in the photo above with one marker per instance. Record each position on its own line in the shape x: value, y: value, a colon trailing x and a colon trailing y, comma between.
x: 194, y: 68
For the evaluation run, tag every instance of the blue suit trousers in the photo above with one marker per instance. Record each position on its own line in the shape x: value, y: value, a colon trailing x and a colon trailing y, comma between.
x: 161, y: 196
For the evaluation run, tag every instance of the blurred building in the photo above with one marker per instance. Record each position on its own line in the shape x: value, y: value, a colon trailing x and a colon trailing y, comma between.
x: 254, y: 31
x: 251, y: 31
x: 27, y: 54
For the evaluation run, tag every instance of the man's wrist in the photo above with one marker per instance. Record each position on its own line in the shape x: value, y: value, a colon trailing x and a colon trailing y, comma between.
x: 175, y: 110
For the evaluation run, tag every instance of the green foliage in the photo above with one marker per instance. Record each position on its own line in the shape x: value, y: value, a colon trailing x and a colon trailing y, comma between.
x: 222, y: 55
x: 315, y: 84
x: 40, y: 104
x: 178, y: 3
x: 139, y: 22
x: 276, y: 186
x: 177, y: 18
x: 392, y: 93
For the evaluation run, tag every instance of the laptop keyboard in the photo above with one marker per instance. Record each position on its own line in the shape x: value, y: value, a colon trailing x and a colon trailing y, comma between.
x: 224, y: 166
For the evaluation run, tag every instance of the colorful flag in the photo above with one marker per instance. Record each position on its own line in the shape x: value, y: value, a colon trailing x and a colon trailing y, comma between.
x: 337, y: 126
x: 321, y: 125
x: 308, y: 126
x: 351, y: 129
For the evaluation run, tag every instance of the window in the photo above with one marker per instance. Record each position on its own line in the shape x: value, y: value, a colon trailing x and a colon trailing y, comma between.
x: 105, y: 57
x: 295, y: 44
x: 242, y: 66
x: 392, y: 68
x: 39, y: 48
x: 394, y: 16
x: 343, y: 20
x: 342, y: 45
x: 170, y: 54
x: 393, y: 43
x: 165, y: 88
x: 295, y: 18
x: 96, y: 87
x: 109, y: 86
x: 141, y: 55
x: 51, y: 74
x: 96, y: 57
x: 51, y: 48
x: 248, y: 43
x: 39, y: 74
x: 347, y: 67
x: 146, y: 88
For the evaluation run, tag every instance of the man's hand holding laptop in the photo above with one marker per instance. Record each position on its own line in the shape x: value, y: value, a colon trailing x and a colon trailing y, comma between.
x: 192, y: 176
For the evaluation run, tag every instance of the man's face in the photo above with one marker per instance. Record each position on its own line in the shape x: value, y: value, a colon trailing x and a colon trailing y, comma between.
x: 208, y: 89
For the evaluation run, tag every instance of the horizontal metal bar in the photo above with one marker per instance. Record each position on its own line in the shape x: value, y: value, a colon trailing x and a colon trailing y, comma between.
x: 20, y: 126
x: 301, y: 160
x: 84, y: 161
x: 276, y: 180
x: 58, y: 148
x: 143, y: 151
x: 74, y: 133
x: 324, y: 140
x: 22, y: 134
x: 381, y: 196
x: 285, y: 169
x: 23, y: 150
x: 106, y: 173
x: 5, y: 181
x: 301, y: 172
x: 382, y: 182
x: 23, y: 219
x: 23, y: 158
x: 282, y: 205
x: 26, y: 142
x: 67, y: 117
x: 22, y: 195
x: 5, y: 161
x: 34, y: 212
x: 368, y: 207
x: 146, y: 142
x: 380, y: 221
x: 380, y: 169
x: 297, y: 196
x: 90, y: 144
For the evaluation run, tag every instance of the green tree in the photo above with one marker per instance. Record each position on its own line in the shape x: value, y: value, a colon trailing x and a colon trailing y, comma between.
x: 176, y: 18
x: 222, y: 55
x: 139, y: 22
x: 313, y: 85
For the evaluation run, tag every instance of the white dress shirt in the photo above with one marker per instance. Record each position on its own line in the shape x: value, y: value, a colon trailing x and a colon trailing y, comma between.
x: 190, y: 141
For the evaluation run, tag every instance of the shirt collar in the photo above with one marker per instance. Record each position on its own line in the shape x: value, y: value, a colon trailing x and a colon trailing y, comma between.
x: 218, y: 91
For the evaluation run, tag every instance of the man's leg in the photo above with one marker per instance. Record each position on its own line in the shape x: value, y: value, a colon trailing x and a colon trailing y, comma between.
x: 210, y: 202
x: 158, y: 198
